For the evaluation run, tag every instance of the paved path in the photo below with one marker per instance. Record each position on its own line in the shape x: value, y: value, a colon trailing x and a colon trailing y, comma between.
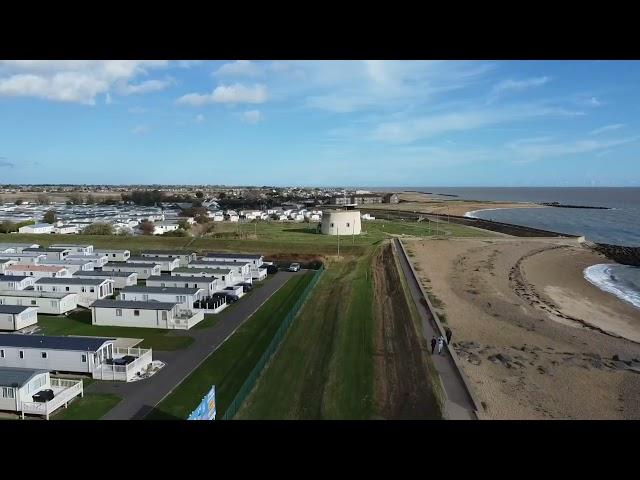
x: 139, y: 398
x: 459, y: 405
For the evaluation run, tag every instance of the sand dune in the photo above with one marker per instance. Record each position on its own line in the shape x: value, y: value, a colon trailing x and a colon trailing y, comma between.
x: 536, y: 339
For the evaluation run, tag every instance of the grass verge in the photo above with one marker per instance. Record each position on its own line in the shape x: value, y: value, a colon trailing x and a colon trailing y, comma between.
x: 92, y: 406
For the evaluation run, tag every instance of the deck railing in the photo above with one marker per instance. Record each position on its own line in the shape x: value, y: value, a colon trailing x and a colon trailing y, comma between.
x: 67, y: 389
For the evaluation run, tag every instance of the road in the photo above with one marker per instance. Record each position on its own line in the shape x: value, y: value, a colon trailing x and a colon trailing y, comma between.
x: 140, y: 397
x: 459, y: 405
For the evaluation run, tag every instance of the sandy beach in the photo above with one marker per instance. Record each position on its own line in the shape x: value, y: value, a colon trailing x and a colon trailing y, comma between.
x: 424, y: 203
x: 536, y: 339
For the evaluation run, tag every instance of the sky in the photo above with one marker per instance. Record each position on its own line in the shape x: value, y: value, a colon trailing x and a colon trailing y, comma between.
x: 321, y: 123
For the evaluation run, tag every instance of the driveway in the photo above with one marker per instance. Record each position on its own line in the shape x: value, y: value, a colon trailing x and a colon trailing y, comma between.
x: 139, y: 398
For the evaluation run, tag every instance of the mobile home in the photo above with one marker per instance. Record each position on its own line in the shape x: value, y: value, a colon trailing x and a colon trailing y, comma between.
x: 114, y: 255
x: 24, y: 257
x: 4, y: 263
x: 144, y: 270
x: 15, y: 317
x: 120, y: 279
x: 52, y: 303
x: 37, y: 228
x: 70, y: 264
x: 184, y: 297
x: 97, y: 259
x: 224, y: 275
x: 241, y: 272
x: 51, y: 253
x: 37, y: 271
x: 15, y: 282
x: 255, y: 261
x: 184, y: 257
x: 143, y: 314
x: 209, y: 285
x: 88, y: 289
x: 75, y: 248
x: 16, y: 247
x: 167, y: 264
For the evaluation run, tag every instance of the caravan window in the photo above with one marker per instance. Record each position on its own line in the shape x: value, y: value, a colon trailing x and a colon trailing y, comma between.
x: 21, y: 354
x: 84, y: 358
x: 1, y: 353
x: 43, y: 354
x: 136, y: 313
x: 118, y: 312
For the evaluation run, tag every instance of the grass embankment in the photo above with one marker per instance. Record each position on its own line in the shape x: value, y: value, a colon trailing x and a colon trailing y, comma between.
x: 229, y: 366
x: 79, y: 323
x: 92, y: 406
x: 323, y: 369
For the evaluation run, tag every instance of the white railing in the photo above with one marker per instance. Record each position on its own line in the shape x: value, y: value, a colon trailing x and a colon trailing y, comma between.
x: 126, y: 372
x: 186, y: 319
x: 64, y: 390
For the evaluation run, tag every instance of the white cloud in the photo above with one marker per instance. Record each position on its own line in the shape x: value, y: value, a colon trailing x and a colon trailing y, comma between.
x: 236, y: 93
x: 240, y: 68
x: 607, y: 128
x: 413, y: 129
x: 145, y: 87
x: 511, y: 85
x: 78, y: 81
x: 199, y: 118
x: 252, y: 116
x: 141, y: 129
x: 535, y: 148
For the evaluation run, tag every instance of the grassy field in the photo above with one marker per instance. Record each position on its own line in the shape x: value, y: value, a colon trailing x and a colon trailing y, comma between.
x: 79, y: 323
x: 90, y: 407
x: 228, y: 367
x: 323, y: 369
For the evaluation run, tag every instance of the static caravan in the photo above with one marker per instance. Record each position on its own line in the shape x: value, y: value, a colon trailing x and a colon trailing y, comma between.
x: 52, y: 303
x: 167, y: 264
x: 120, y: 279
x: 15, y: 282
x: 38, y: 228
x: 184, y: 257
x: 144, y: 270
x: 75, y: 248
x: 88, y: 289
x: 25, y: 257
x: 184, y: 297
x: 114, y: 255
x: 65, y: 229
x: 70, y: 264
x: 255, y: 261
x: 37, y: 271
x: 97, y: 259
x: 15, y: 317
x: 208, y: 284
x: 223, y: 275
x: 16, y: 247
x: 240, y: 272
x: 20, y: 391
x: 143, y: 314
x: 63, y: 354
x: 51, y: 253
x: 4, y: 263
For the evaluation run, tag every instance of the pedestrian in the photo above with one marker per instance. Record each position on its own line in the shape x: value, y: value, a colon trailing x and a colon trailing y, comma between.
x: 448, y: 332
x: 433, y: 345
x: 440, y: 344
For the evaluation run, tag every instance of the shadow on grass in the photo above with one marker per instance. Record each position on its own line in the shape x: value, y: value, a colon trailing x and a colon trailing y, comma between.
x: 157, y: 414
x: 313, y: 231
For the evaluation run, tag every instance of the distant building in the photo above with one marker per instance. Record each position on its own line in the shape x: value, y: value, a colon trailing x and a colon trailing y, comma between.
x: 38, y: 228
x: 391, y: 198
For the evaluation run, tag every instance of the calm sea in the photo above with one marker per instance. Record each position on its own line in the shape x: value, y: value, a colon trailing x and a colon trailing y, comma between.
x: 618, y: 226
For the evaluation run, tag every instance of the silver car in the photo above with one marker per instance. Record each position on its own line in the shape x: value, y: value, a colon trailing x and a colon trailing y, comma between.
x: 294, y: 267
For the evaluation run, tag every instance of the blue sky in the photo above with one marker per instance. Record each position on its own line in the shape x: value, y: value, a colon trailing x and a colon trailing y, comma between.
x: 370, y: 123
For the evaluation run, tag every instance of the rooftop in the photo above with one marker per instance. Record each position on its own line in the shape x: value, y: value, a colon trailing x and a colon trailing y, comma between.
x: 130, y: 265
x: 12, y: 278
x: 43, y: 250
x: 71, y: 281
x: 167, y: 252
x: 174, y: 278
x: 148, y: 305
x: 170, y: 290
x: 17, y: 377
x: 233, y: 255
x: 12, y: 309
x: 90, y: 344
x: 101, y: 274
x: 33, y: 268
x: 222, y: 271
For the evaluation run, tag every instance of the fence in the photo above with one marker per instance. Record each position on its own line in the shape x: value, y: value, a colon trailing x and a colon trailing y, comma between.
x: 251, y: 380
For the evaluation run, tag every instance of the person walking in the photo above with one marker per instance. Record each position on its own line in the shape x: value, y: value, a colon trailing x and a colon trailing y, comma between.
x: 440, y: 344
x: 448, y: 333
x: 433, y: 345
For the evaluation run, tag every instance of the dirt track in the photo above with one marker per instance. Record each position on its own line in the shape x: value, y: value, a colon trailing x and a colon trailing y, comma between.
x: 402, y: 387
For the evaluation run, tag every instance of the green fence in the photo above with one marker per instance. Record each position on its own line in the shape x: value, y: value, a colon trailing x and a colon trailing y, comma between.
x: 251, y: 380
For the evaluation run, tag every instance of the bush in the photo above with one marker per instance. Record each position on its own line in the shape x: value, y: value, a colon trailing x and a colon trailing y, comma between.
x: 176, y: 233
x: 98, y: 229
x: 49, y: 217
x: 8, y: 226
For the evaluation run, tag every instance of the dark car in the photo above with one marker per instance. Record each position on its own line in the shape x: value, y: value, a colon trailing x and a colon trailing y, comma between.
x: 231, y: 297
x: 246, y: 287
x: 272, y: 269
x: 43, y: 396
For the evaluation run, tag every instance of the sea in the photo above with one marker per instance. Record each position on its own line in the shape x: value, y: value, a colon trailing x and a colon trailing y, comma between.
x: 618, y: 225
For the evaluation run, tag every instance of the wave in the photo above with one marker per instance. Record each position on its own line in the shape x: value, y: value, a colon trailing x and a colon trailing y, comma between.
x: 611, y: 278
x: 472, y: 213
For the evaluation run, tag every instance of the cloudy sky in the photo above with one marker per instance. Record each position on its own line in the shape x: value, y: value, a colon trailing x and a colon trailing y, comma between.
x: 373, y: 123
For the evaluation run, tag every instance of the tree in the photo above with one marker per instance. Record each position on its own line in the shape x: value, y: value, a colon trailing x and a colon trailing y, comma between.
x: 147, y: 228
x: 91, y: 200
x: 176, y: 233
x: 19, y: 201
x: 49, y: 217
x: 43, y: 199
x: 75, y: 199
x: 98, y: 228
x: 199, y: 194
x: 184, y: 225
x: 7, y: 226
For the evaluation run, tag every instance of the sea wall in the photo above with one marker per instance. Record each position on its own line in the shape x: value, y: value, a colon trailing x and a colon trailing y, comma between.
x: 620, y: 254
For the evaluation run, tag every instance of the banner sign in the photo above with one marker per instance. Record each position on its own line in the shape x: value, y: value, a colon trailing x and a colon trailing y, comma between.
x: 207, y: 408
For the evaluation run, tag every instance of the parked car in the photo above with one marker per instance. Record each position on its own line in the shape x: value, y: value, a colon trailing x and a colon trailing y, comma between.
x: 231, y: 297
x: 294, y: 267
x: 246, y: 286
x: 271, y: 269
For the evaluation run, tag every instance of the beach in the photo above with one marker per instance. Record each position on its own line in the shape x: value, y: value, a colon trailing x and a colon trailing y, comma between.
x: 535, y: 338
